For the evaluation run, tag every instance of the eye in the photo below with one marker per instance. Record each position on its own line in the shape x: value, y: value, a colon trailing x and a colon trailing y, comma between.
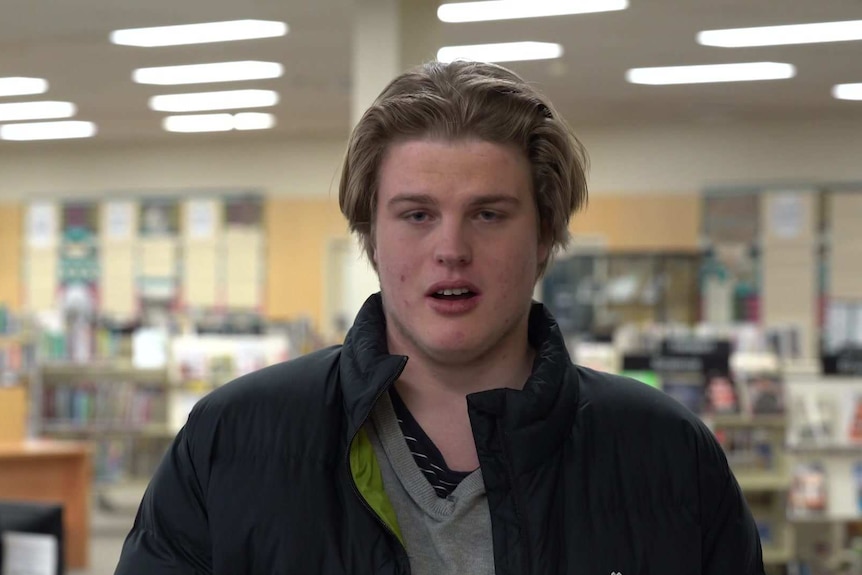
x: 417, y: 217
x: 489, y: 216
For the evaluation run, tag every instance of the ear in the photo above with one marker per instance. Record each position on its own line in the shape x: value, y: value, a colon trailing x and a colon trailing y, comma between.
x: 543, y: 252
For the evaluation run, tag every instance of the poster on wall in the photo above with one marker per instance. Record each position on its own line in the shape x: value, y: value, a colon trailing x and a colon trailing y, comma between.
x: 79, y: 257
x: 158, y: 228
x: 117, y: 252
x: 731, y: 218
x: 244, y: 257
x: 202, y: 225
x: 79, y: 274
x: 42, y: 239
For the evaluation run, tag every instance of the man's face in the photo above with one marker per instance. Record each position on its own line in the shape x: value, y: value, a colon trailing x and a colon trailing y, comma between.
x: 457, y: 249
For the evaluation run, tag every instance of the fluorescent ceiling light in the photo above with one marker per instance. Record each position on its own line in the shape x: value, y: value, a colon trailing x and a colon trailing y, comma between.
x: 16, y: 86
x: 711, y: 73
x: 219, y: 122
x: 207, y: 73
x: 199, y: 33
x: 253, y: 121
x: 781, y: 35
x: 202, y: 101
x: 47, y: 131
x: 505, y: 52
x: 512, y: 9
x: 847, y: 91
x: 45, y: 110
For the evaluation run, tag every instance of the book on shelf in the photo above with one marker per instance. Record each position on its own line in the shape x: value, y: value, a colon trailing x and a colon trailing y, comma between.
x: 747, y: 449
x: 101, y: 406
x: 760, y: 382
x: 685, y: 387
x: 721, y: 396
x: 808, y: 490
x: 814, y: 420
x: 857, y: 487
x: 854, y: 419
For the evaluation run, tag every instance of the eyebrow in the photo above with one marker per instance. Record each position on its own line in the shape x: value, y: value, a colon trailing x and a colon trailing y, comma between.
x: 426, y: 199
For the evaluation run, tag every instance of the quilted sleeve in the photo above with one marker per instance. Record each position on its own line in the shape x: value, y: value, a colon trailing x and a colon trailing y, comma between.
x: 170, y: 535
x: 730, y: 542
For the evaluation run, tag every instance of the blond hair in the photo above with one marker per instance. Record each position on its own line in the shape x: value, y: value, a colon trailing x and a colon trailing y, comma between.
x: 462, y: 100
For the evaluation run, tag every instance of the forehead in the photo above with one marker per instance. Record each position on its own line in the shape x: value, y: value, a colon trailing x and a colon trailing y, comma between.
x: 453, y: 167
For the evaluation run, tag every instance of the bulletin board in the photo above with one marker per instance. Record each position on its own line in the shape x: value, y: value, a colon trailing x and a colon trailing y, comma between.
x: 192, y: 251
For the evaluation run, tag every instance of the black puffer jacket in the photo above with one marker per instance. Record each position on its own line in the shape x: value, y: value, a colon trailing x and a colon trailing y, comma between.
x: 586, y: 473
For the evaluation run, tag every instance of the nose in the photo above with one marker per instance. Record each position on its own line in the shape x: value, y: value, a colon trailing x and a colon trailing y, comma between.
x: 452, y: 247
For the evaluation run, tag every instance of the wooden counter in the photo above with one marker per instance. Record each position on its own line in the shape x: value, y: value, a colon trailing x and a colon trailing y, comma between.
x: 53, y: 471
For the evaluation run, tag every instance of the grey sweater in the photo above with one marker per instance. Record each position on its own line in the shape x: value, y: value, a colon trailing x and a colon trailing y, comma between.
x: 449, y: 536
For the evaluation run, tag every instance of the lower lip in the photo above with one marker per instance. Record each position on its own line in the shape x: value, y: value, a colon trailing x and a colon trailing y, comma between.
x: 453, y: 307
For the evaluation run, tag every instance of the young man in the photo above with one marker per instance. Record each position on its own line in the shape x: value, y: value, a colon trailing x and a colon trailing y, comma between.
x: 450, y: 434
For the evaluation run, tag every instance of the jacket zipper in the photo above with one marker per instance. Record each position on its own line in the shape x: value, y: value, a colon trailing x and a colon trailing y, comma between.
x: 356, y: 492
x: 525, y: 568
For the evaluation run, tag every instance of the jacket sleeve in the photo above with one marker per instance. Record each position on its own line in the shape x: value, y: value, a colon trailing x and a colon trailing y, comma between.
x: 170, y: 532
x: 729, y: 536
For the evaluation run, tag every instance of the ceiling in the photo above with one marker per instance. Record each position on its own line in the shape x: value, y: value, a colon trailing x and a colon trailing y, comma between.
x: 67, y: 43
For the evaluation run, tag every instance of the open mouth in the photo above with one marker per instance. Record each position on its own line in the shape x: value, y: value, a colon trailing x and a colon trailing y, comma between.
x: 453, y: 294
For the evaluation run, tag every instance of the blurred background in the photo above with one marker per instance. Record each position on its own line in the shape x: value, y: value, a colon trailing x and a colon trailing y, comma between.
x: 169, y: 221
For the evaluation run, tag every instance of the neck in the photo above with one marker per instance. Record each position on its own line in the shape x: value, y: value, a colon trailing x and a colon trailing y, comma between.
x: 435, y: 393
x: 429, y: 379
x: 424, y: 379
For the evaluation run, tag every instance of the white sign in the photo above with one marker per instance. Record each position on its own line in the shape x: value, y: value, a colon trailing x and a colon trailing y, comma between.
x: 119, y: 220
x: 42, y: 225
x: 201, y: 219
x: 787, y: 216
x: 29, y: 554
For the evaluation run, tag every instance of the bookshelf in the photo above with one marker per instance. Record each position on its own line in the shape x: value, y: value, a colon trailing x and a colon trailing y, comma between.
x: 826, y: 460
x: 17, y: 377
x: 120, y: 409
x: 755, y: 448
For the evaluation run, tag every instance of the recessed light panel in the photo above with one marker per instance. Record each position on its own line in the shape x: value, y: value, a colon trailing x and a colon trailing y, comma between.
x: 504, y: 52
x: 17, y: 86
x: 204, y: 101
x: 515, y: 9
x: 44, y: 110
x: 218, y: 122
x: 48, y: 131
x: 199, y: 33
x: 746, y: 72
x: 208, y: 73
x: 847, y: 91
x: 782, y: 35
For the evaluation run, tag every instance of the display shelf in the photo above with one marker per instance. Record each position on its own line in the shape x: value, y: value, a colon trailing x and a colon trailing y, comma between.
x: 826, y: 518
x: 772, y: 421
x: 835, y: 448
x: 763, y: 481
x: 776, y: 555
x: 102, y: 370
x: 76, y: 430
x: 117, y: 407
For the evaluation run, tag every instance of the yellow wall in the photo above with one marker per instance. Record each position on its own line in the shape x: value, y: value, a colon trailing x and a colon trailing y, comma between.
x: 11, y: 238
x: 640, y: 223
x: 298, y: 232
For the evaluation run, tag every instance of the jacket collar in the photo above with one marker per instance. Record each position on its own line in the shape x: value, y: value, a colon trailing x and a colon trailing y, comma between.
x: 550, y: 394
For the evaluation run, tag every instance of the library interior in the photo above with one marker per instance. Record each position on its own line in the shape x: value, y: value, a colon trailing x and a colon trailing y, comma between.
x: 169, y: 221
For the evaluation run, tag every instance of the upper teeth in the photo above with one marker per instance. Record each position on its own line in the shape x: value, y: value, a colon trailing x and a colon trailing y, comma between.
x: 453, y: 291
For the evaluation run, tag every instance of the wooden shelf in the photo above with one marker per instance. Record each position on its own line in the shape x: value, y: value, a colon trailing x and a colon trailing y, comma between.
x: 96, y: 370
x: 825, y: 518
x: 762, y: 481
x: 776, y: 555
x: 77, y: 430
x: 775, y: 421
x: 848, y: 449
